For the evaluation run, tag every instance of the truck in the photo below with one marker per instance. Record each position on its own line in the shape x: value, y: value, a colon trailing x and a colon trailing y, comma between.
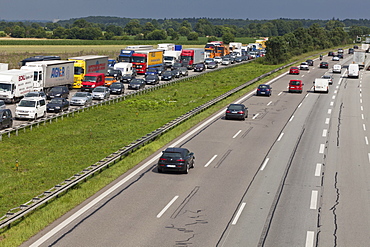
x: 126, y: 68
x: 365, y: 47
x: 192, y: 56
x: 321, y: 85
x: 215, y: 49
x: 88, y: 64
x: 4, y: 66
x: 14, y: 84
x: 48, y: 74
x: 126, y: 54
x: 141, y: 60
x: 235, y: 46
x: 92, y: 80
x: 166, y: 47
x: 359, y: 58
x: 170, y: 57
x: 353, y: 70
x: 39, y: 58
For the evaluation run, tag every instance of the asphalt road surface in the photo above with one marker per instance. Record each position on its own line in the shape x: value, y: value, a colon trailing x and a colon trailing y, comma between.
x: 295, y: 173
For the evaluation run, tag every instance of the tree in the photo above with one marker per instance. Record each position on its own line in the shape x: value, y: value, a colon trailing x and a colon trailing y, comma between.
x: 228, y: 37
x: 276, y: 50
x: 60, y: 33
x: 116, y: 30
x: 157, y: 35
x: 148, y: 27
x: 184, y: 31
x: 175, y: 36
x: 18, y: 32
x: 193, y: 36
x: 133, y: 27
x: 81, y: 23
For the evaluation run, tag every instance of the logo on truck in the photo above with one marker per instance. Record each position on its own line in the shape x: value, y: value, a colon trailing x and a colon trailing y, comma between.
x: 57, y: 72
x: 96, y: 67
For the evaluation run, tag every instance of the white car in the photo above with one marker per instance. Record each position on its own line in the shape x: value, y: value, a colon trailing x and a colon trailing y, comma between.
x: 100, y: 93
x: 218, y: 59
x: 335, y: 58
x: 31, y: 108
x: 329, y: 78
x: 81, y: 98
x: 226, y: 61
x: 303, y: 66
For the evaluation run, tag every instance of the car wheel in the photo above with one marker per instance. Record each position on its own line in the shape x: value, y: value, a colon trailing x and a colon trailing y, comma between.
x: 44, y: 115
x: 10, y: 125
x: 192, y: 163
x: 187, y: 169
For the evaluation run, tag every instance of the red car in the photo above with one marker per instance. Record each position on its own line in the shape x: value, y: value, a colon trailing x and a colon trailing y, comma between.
x: 295, y: 86
x: 294, y: 71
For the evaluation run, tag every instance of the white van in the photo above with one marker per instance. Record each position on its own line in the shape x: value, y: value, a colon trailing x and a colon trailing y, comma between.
x: 31, y: 108
x: 321, y: 85
x: 337, y: 68
x: 353, y: 70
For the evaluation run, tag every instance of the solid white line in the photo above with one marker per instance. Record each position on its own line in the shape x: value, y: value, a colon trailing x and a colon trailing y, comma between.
x: 138, y: 170
x: 255, y: 116
x: 167, y: 206
x: 331, y: 103
x: 366, y: 140
x: 327, y: 120
x: 237, y: 133
x: 322, y: 148
x: 269, y: 103
x: 300, y: 105
x: 310, y: 239
x: 290, y: 120
x: 318, y: 170
x: 329, y: 111
x: 280, y: 136
x: 324, y: 132
x: 280, y: 93
x: 364, y: 126
x: 238, y: 213
x: 210, y: 161
x: 313, y: 204
x: 264, y: 164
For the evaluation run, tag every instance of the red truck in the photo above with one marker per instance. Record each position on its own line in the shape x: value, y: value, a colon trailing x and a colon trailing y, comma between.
x: 144, y: 59
x: 92, y: 80
x: 192, y: 56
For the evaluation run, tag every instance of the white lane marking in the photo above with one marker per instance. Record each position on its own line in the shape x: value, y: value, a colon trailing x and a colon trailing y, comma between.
x: 210, y: 161
x: 361, y: 101
x: 302, y: 75
x: 238, y: 213
x: 329, y: 111
x: 290, y: 120
x: 280, y: 93
x: 362, y: 116
x: 360, y: 95
x: 337, y: 87
x: 335, y: 91
x: 364, y: 127
x: 368, y: 155
x: 167, y: 206
x: 264, y: 164
x: 318, y: 169
x: 280, y: 136
x: 300, y: 105
x: 255, y: 116
x: 322, y: 148
x: 362, y: 108
x: 324, y: 132
x: 310, y: 239
x: 313, y: 204
x: 327, y: 120
x: 366, y: 140
x: 333, y: 97
x: 332, y: 103
x: 269, y: 103
x: 237, y: 134
x: 138, y: 170
x: 306, y: 95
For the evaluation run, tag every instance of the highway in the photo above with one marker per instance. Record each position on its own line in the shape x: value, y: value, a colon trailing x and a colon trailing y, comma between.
x: 293, y: 174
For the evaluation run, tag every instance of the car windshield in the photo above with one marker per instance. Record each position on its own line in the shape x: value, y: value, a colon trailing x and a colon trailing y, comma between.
x: 167, y: 73
x: 235, y: 107
x: 5, y: 87
x: 56, y: 101
x: 32, y: 94
x: 295, y: 83
x: 109, y: 78
x: 99, y: 89
x: 90, y: 78
x: 263, y: 86
x: 80, y: 94
x: 171, y: 155
x: 115, y: 85
x: 151, y: 77
x: 27, y: 103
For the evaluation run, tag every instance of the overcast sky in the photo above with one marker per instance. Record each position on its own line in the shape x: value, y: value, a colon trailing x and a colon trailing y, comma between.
x: 159, y: 9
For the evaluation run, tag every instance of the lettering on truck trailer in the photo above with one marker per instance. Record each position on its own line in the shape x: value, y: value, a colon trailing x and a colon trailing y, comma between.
x: 96, y: 67
x: 57, y: 72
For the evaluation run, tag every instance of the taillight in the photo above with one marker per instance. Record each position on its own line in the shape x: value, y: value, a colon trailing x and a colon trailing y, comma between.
x: 162, y: 159
x: 227, y: 111
x: 181, y: 160
x: 258, y: 89
x: 240, y: 112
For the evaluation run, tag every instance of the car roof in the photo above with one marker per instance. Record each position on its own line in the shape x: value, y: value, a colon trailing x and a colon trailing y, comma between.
x: 174, y: 150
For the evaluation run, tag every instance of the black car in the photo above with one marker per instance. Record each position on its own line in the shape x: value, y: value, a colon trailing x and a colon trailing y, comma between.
x: 350, y: 51
x: 152, y: 79
x: 176, y: 159
x: 126, y: 78
x: 177, y: 65
x: 310, y: 62
x: 340, y: 55
x: 117, y: 88
x: 212, y: 65
x: 167, y: 75
x: 200, y: 67
x: 236, y: 111
x: 57, y: 105
x: 238, y: 59
x: 177, y: 73
x: 58, y: 92
x: 161, y: 70
x: 264, y: 89
x: 330, y: 53
x: 6, y: 118
x: 136, y: 84
x: 116, y: 73
x: 324, y: 65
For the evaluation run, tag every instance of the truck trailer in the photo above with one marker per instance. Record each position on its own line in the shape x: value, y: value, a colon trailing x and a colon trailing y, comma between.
x: 142, y: 60
x: 126, y: 54
x: 88, y: 64
x: 48, y: 74
x: 14, y: 84
x: 4, y: 66
x: 359, y: 58
x: 192, y: 56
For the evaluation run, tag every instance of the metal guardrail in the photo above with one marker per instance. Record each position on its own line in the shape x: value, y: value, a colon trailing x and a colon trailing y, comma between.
x: 26, y: 208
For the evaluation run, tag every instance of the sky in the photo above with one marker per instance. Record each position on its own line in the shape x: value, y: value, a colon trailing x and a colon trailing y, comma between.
x: 12, y: 10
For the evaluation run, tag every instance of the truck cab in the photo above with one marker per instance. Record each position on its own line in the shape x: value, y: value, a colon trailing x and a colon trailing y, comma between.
x: 92, y: 80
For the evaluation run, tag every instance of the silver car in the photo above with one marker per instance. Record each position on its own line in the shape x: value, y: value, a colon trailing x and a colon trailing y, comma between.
x: 81, y: 98
x: 101, y: 93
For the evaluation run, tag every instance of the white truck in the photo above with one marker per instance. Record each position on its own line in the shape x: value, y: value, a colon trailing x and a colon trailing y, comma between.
x: 14, y: 84
x: 126, y: 68
x: 321, y: 85
x: 353, y: 70
x: 3, y: 66
x: 337, y: 68
x: 170, y: 57
x: 235, y: 46
x: 359, y: 58
x: 166, y: 47
x: 48, y: 74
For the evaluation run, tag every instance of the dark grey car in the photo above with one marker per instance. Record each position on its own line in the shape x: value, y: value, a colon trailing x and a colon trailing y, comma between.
x: 6, y: 118
x: 176, y: 159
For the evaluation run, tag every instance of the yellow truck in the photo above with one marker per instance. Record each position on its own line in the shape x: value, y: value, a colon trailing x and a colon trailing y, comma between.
x: 88, y: 64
